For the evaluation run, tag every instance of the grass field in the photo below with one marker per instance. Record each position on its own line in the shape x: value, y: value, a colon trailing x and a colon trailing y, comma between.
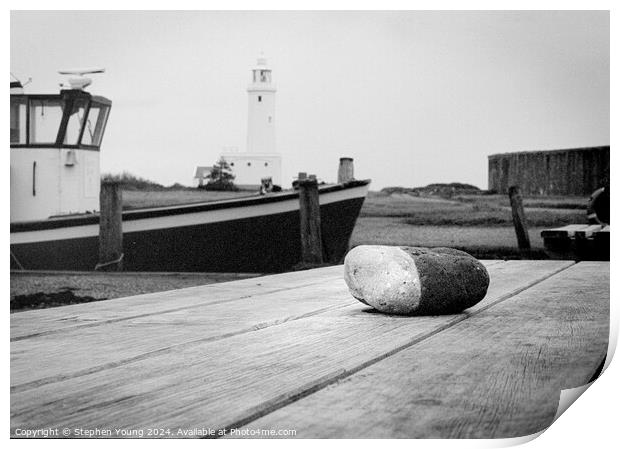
x: 479, y: 224
x: 473, y: 210
x: 460, y: 210
x: 133, y: 199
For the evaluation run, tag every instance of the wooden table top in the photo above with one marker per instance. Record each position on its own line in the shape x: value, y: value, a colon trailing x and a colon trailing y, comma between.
x: 296, y: 355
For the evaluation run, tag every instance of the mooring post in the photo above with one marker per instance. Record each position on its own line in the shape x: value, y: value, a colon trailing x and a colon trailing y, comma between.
x: 110, y: 227
x: 518, y: 218
x: 310, y: 221
x: 345, y: 170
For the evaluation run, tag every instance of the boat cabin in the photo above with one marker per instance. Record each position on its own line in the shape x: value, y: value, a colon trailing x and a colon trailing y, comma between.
x: 55, y: 141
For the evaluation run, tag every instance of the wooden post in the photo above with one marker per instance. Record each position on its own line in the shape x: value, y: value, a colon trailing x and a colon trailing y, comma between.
x: 345, y: 170
x: 110, y: 227
x: 310, y: 222
x: 518, y: 218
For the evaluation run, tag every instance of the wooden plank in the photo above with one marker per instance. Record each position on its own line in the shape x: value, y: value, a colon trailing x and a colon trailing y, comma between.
x: 310, y: 222
x: 592, y: 243
x: 173, y: 274
x: 43, y: 322
x: 60, y: 355
x: 110, y: 227
x: 229, y: 382
x: 602, y: 235
x: 518, y: 218
x: 560, y: 243
x: 567, y: 231
x: 39, y: 323
x: 587, y: 232
x: 496, y: 375
x: 586, y: 247
x: 601, y: 239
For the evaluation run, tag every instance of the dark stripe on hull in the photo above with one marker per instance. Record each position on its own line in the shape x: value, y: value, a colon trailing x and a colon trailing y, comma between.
x: 268, y: 243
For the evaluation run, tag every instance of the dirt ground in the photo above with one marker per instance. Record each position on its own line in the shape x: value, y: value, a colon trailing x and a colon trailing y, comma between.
x: 31, y: 290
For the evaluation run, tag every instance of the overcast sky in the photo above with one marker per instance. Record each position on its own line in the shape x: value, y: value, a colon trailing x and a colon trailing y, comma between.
x: 413, y: 97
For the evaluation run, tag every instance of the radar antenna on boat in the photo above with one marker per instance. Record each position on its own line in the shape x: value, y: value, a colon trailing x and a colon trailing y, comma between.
x: 17, y: 87
x: 79, y: 81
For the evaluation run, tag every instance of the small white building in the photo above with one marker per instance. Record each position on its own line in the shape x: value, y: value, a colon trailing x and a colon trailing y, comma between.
x: 260, y: 160
x: 250, y: 168
x: 201, y: 175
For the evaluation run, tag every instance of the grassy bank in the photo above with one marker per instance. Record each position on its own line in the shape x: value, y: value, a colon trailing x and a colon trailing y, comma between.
x: 134, y: 199
x: 459, y: 210
x: 477, y: 223
x: 492, y: 242
x: 473, y: 210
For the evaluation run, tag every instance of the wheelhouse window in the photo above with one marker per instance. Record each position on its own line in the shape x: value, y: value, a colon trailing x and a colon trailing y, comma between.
x: 75, y: 122
x: 45, y: 119
x: 73, y: 119
x: 18, y: 121
x: 95, y: 125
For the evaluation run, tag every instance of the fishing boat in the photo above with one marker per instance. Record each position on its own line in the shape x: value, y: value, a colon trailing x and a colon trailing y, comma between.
x: 55, y: 185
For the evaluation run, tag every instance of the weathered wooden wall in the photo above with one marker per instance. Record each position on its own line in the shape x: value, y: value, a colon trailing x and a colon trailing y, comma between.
x: 577, y: 171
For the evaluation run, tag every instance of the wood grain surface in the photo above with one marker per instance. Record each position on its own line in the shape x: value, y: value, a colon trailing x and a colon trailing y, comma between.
x: 496, y: 375
x: 46, y: 321
x: 249, y: 351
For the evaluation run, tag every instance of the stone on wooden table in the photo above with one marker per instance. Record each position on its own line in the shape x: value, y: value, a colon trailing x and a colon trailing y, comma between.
x: 415, y: 281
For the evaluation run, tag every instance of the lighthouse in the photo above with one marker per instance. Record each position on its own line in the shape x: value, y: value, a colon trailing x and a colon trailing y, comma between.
x: 261, y: 110
x: 260, y: 160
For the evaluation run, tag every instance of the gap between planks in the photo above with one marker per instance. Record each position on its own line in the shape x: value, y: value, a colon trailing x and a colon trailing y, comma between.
x: 124, y: 361
x: 313, y: 387
x: 41, y: 322
x: 148, y: 343
x: 208, y: 288
x: 552, y: 337
x: 136, y: 398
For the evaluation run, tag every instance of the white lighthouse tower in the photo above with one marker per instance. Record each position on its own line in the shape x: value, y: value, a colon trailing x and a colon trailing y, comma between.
x: 260, y: 160
x: 261, y: 110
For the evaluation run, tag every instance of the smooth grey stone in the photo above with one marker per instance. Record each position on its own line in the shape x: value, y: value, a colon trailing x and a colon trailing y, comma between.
x: 415, y: 281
